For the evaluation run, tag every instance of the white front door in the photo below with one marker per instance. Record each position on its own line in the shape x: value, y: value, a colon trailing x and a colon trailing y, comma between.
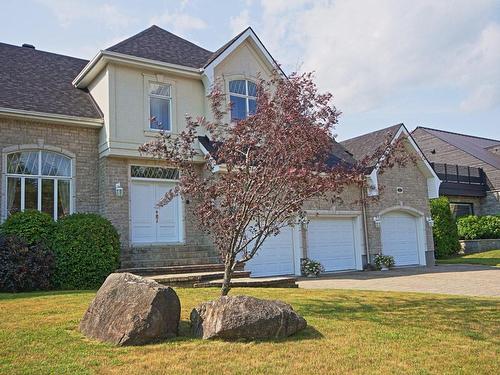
x: 275, y: 257
x: 152, y: 224
x: 400, y: 238
x: 331, y: 241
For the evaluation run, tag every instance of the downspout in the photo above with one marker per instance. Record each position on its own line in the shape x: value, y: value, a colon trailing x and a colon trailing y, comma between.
x: 365, y: 224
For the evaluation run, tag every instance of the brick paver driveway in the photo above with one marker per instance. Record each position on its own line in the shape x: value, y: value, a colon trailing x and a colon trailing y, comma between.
x: 470, y: 280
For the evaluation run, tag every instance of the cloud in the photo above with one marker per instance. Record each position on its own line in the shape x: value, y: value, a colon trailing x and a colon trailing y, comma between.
x: 68, y: 12
x: 179, y: 23
x: 239, y: 22
x: 366, y: 51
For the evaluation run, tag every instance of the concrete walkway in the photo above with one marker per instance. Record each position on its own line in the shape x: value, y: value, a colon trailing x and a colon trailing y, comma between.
x: 468, y: 280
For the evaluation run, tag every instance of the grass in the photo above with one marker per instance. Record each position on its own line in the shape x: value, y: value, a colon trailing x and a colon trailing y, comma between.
x: 488, y: 258
x: 354, y: 332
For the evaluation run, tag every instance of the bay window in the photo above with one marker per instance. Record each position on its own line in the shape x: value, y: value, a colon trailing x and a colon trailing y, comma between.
x: 39, y: 180
x: 243, y: 98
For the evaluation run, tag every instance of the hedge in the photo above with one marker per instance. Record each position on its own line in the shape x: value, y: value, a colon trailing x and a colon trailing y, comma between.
x: 445, y: 228
x: 30, y: 226
x: 478, y: 227
x: 87, y: 250
x: 24, y: 267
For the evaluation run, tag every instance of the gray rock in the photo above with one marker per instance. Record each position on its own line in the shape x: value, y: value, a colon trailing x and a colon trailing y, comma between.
x: 244, y: 317
x: 131, y: 310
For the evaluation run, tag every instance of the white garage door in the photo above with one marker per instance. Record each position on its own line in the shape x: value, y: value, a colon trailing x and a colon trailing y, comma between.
x: 275, y: 257
x: 399, y: 238
x: 331, y: 242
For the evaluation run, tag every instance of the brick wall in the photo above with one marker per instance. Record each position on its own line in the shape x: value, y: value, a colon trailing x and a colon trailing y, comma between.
x: 82, y: 142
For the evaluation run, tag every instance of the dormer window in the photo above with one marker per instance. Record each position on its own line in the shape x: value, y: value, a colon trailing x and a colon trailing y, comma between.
x: 243, y: 98
x: 160, y: 106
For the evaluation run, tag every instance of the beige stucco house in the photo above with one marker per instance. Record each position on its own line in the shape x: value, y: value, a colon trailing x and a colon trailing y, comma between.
x: 70, y: 131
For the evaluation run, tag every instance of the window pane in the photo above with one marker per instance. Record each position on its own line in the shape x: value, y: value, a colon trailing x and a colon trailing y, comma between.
x: 23, y: 162
x: 252, y: 106
x: 159, y: 89
x: 238, y: 108
x: 13, y: 194
x: 48, y: 196
x: 63, y: 196
x: 31, y: 194
x: 154, y: 172
x: 252, y: 89
x: 55, y: 164
x: 159, y: 112
x: 461, y: 209
x: 238, y: 87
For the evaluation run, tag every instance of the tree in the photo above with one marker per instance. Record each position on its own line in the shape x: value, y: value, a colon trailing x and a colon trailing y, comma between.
x: 261, y: 169
x: 445, y: 230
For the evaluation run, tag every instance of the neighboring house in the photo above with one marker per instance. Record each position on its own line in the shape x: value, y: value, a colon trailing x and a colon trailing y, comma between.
x: 70, y: 131
x: 468, y: 166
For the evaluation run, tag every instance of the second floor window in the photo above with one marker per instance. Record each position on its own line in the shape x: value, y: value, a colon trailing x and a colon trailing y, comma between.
x: 160, y: 106
x: 243, y: 98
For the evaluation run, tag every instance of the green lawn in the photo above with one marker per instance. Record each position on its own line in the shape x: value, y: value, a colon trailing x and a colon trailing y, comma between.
x: 489, y: 258
x: 349, y: 332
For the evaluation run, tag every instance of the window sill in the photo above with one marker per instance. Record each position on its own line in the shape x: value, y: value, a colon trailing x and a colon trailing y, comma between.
x: 154, y: 133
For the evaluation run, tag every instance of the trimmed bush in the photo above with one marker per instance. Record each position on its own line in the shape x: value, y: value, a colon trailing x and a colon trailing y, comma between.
x: 24, y: 267
x: 31, y: 226
x: 87, y: 250
x: 444, y: 229
x: 478, y: 227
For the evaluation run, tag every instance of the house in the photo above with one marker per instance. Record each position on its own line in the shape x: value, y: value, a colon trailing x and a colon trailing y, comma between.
x: 70, y: 131
x: 469, y: 167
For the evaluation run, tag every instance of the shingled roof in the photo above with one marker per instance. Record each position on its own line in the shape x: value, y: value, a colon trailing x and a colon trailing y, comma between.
x: 366, y: 145
x: 158, y: 44
x: 33, y: 80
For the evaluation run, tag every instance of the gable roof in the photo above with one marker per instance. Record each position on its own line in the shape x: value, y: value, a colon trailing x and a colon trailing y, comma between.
x: 39, y: 81
x: 366, y: 145
x: 158, y: 44
x: 473, y: 145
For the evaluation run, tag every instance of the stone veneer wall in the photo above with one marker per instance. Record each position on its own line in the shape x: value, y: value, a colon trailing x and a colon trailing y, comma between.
x: 78, y: 140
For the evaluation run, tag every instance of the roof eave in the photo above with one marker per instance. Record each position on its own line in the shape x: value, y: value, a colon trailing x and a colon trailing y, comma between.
x: 53, y: 118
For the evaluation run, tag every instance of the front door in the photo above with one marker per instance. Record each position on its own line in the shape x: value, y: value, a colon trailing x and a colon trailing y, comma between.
x: 152, y: 224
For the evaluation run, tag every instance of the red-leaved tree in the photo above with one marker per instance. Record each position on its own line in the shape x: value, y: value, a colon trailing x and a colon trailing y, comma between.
x: 261, y: 169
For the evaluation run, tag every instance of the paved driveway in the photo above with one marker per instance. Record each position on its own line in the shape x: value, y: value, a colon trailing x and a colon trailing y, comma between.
x: 470, y: 280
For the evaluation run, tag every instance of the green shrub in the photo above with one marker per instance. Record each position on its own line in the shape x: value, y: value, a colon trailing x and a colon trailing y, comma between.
x: 444, y: 229
x: 24, y: 267
x: 31, y: 226
x: 87, y: 250
x: 477, y: 227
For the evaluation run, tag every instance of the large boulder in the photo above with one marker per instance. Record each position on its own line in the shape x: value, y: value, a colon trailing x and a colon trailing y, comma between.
x: 131, y: 310
x: 244, y: 317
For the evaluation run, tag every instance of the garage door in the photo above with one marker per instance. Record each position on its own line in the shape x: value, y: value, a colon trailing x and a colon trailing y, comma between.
x: 275, y: 257
x: 399, y: 238
x: 331, y: 242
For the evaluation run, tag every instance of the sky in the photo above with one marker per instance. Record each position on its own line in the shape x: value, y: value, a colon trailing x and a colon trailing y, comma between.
x: 431, y: 63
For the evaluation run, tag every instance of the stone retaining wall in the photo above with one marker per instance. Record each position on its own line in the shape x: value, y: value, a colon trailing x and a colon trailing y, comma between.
x: 477, y: 246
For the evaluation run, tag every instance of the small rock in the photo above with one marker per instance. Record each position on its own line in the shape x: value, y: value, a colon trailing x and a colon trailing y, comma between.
x: 132, y: 310
x: 244, y: 317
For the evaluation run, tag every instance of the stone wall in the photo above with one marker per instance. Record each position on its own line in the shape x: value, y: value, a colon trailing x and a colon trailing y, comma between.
x: 82, y: 142
x: 477, y: 246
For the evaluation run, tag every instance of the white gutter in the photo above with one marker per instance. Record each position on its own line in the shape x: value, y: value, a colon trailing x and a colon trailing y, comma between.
x: 53, y: 118
x: 104, y: 57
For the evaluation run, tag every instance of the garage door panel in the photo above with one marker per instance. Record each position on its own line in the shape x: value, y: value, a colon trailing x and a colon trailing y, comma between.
x: 399, y: 238
x: 275, y: 257
x: 331, y: 242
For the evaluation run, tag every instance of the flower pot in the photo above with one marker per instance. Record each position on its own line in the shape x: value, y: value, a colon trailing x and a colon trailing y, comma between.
x: 311, y: 275
x: 384, y: 268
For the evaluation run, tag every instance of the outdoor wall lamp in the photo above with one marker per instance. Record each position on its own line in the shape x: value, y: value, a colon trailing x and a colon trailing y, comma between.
x: 430, y: 221
x: 376, y: 220
x: 118, y: 190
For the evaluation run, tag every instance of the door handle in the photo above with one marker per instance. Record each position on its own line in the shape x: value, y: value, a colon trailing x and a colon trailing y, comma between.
x: 157, y: 216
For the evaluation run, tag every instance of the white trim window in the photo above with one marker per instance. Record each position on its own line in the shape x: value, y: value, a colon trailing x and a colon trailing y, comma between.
x: 160, y: 106
x: 243, y: 98
x: 39, y: 180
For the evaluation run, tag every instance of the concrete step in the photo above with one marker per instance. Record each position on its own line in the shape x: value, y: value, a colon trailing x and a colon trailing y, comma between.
x: 249, y: 282
x: 167, y: 255
x: 190, y: 279
x: 178, y: 269
x: 143, y: 263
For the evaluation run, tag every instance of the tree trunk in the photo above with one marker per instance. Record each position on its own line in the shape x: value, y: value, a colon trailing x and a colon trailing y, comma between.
x: 228, y: 273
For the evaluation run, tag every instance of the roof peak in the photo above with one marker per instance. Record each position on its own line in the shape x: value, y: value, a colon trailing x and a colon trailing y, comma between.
x: 456, y: 133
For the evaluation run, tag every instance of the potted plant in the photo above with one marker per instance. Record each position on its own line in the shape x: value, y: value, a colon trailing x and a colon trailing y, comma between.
x: 384, y: 262
x: 311, y: 268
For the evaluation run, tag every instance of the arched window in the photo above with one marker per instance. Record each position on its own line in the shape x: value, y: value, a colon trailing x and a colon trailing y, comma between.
x: 243, y: 98
x: 39, y: 180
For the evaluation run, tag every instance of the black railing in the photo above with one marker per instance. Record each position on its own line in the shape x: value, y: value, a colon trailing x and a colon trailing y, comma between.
x: 459, y: 174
